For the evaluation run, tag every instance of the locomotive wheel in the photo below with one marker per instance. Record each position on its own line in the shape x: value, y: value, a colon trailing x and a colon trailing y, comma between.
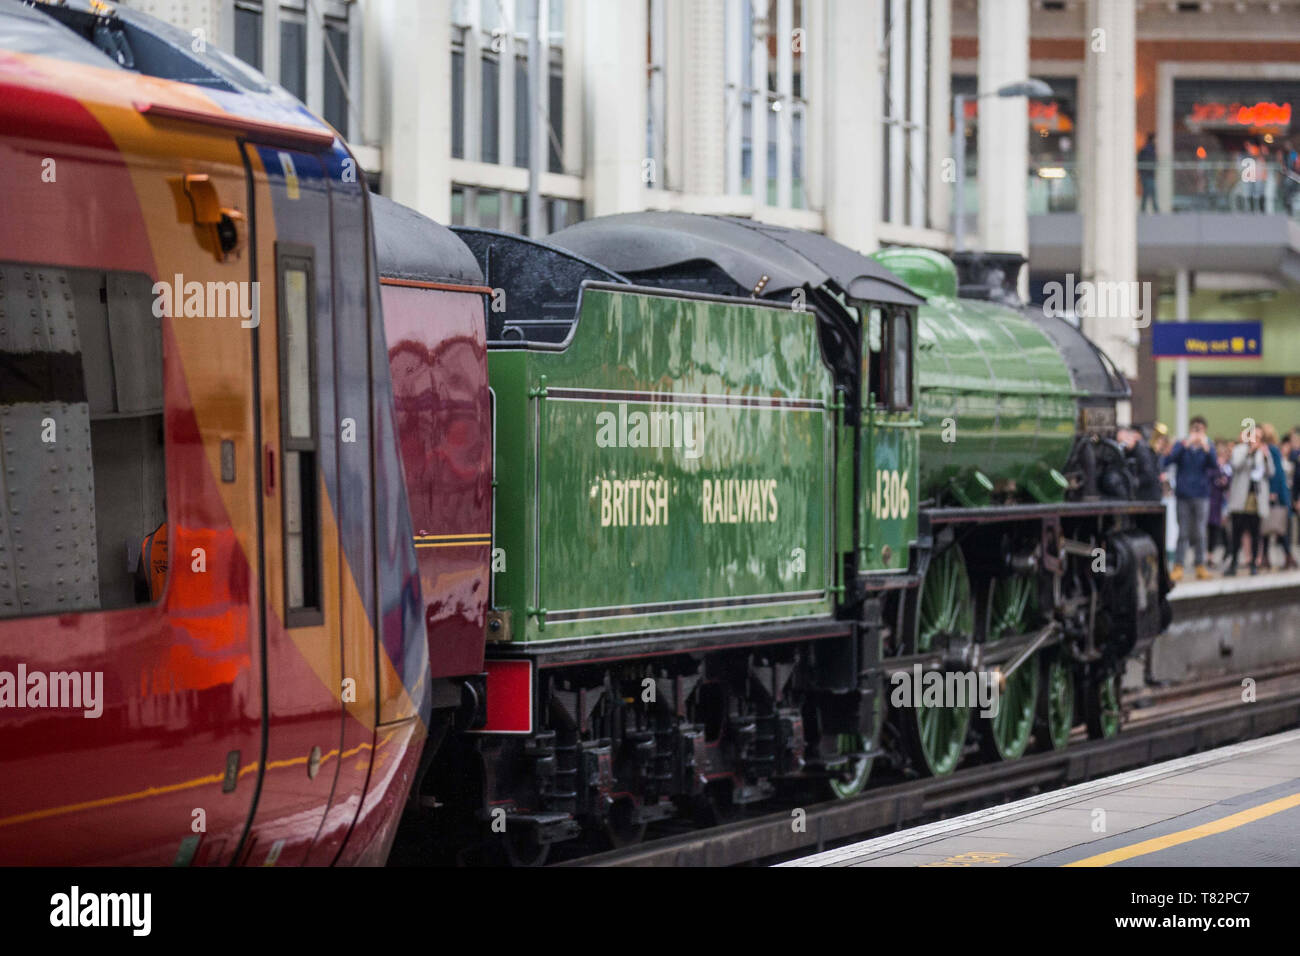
x: 1005, y: 735
x: 1056, y: 708
x: 620, y: 828
x: 1103, y: 706
x: 523, y: 849
x: 856, y: 780
x: 936, y: 736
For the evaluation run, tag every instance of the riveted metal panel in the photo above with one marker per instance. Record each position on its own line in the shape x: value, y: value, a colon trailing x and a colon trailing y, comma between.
x: 48, y: 560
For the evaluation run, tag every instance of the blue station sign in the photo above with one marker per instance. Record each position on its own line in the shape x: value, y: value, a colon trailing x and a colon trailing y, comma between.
x: 1207, y: 340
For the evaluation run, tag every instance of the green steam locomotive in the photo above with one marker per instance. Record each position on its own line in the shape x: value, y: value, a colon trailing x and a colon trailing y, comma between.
x: 768, y: 512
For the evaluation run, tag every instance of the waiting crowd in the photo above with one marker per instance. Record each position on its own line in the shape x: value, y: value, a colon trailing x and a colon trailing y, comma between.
x: 1241, y: 496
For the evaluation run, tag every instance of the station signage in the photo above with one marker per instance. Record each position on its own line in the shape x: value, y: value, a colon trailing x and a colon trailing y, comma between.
x: 1207, y: 340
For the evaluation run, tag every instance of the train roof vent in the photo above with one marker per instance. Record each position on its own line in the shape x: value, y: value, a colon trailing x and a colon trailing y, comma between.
x: 541, y: 285
x: 926, y: 271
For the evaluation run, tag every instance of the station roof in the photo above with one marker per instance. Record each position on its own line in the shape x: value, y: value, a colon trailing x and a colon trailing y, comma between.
x: 634, y: 244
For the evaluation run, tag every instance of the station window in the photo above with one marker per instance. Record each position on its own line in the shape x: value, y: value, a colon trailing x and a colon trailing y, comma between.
x: 293, y: 53
x: 766, y: 49
x: 298, y: 437
x: 490, y: 94
x: 248, y: 33
x: 315, y: 40
x: 905, y: 69
x: 83, y: 492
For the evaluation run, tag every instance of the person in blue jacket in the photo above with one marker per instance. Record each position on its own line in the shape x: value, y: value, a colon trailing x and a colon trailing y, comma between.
x: 1194, y: 462
x: 1279, y: 499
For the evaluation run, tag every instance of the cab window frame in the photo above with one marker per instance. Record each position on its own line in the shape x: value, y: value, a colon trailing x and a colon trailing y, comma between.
x: 300, y: 455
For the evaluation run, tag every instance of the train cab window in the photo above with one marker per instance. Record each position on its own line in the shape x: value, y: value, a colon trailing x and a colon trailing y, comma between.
x: 83, y: 514
x: 900, y: 369
x: 887, y: 359
x: 873, y: 358
x: 298, y: 438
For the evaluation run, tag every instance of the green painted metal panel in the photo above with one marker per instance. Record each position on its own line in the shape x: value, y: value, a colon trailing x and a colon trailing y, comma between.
x: 996, y: 399
x: 671, y: 468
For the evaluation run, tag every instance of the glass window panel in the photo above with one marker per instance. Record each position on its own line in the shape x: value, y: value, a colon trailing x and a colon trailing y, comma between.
x: 555, y: 14
x: 901, y: 379
x: 491, y: 106
x: 521, y: 111
x: 82, y: 494
x: 293, y: 57
x: 458, y: 104
x: 555, y: 109
x: 298, y: 359
x: 294, y: 561
x: 335, y: 100
x: 248, y: 36
x: 489, y: 209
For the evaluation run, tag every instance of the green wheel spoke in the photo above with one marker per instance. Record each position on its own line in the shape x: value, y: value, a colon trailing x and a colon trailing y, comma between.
x: 1010, y: 610
x: 937, y: 735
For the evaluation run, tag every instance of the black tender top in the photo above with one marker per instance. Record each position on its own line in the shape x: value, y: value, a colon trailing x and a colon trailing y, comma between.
x: 541, y: 285
x: 755, y: 258
x: 411, y: 246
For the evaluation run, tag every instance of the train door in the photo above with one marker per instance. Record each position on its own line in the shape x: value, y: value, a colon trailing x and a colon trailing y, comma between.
x: 891, y: 423
x: 305, y: 691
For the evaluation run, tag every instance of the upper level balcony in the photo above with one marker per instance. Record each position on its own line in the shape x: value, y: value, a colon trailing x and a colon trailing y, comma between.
x: 1199, y: 214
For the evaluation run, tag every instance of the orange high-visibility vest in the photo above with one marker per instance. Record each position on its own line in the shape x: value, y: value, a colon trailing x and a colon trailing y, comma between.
x: 153, y: 560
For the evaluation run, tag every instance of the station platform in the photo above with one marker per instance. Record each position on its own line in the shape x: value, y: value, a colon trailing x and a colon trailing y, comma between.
x: 1236, y: 625
x: 1235, y: 806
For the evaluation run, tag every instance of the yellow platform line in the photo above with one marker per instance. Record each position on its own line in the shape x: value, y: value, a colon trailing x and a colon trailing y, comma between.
x: 1223, y: 825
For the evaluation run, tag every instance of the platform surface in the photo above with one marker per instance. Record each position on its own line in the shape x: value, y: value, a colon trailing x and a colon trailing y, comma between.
x: 1235, y: 806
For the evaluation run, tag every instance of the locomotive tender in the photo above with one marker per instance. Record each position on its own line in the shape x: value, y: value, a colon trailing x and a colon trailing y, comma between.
x: 569, y: 535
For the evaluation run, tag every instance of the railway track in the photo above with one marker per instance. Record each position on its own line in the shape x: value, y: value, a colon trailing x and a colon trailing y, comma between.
x: 1164, y: 723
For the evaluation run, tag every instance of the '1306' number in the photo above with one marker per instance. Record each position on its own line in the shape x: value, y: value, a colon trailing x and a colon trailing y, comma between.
x: 892, y: 498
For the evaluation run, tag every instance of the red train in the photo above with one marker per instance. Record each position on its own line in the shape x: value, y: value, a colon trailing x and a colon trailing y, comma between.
x: 217, y: 591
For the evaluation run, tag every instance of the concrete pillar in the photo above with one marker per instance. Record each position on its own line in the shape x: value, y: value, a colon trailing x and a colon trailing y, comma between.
x: 417, y: 139
x: 615, y: 107
x: 1003, y: 128
x: 574, y: 81
x: 854, y: 143
x: 1109, y: 198
x: 373, y: 71
x: 940, y: 119
x: 316, y: 57
x: 814, y: 79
